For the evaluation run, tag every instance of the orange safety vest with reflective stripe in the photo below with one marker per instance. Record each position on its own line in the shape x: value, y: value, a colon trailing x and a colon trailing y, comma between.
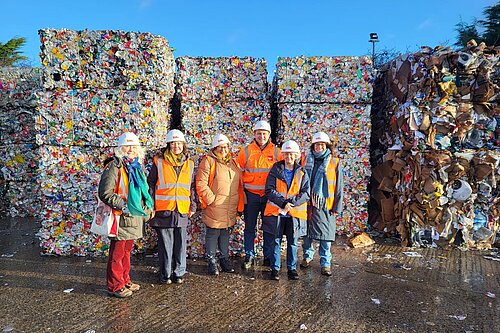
x: 331, y: 176
x: 172, y: 191
x: 300, y: 211
x: 121, y: 187
x: 255, y: 164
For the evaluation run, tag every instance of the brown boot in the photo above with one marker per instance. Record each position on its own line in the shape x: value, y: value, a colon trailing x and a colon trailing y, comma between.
x: 326, y: 271
x: 122, y: 293
x: 132, y: 286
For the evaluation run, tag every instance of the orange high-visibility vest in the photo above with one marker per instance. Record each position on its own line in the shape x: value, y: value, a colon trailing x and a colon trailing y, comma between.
x: 255, y: 164
x: 121, y: 187
x: 300, y: 211
x: 172, y: 191
x: 331, y: 176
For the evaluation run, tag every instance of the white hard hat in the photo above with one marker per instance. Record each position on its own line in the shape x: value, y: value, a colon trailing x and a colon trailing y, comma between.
x: 218, y: 140
x: 175, y: 135
x: 290, y: 146
x: 262, y: 125
x: 461, y: 190
x: 128, y: 139
x: 321, y: 137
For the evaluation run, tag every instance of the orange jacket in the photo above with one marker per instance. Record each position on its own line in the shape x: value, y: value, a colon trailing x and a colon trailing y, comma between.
x: 172, y: 191
x: 299, y: 211
x: 255, y: 165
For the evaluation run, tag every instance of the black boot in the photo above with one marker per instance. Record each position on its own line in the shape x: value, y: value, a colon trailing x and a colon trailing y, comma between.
x: 293, y: 275
x: 226, y: 265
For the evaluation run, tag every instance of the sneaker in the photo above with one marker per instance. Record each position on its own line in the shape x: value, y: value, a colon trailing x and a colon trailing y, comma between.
x: 179, y: 280
x: 212, y: 268
x: 293, y: 275
x: 305, y: 263
x: 267, y: 262
x: 249, y: 261
x: 326, y: 271
x: 275, y: 275
x: 132, y: 286
x: 122, y: 293
x: 167, y: 281
x: 226, y: 266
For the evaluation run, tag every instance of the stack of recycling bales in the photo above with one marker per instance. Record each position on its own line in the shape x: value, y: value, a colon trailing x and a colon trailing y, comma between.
x: 97, y: 85
x: 19, y: 191
x: 219, y: 95
x: 333, y: 95
x: 437, y: 146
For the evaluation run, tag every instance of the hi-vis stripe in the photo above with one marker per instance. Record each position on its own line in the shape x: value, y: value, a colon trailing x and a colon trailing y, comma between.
x: 163, y: 184
x: 172, y: 185
x: 254, y: 187
x: 257, y: 170
x: 170, y: 197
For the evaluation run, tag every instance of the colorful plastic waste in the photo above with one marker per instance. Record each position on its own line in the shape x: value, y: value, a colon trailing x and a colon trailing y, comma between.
x: 220, y: 95
x: 332, y: 95
x: 19, y: 191
x: 96, y: 85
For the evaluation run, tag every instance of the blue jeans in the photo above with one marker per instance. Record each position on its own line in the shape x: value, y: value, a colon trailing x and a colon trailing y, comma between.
x: 325, y: 256
x: 255, y: 204
x: 285, y: 228
x: 217, y: 238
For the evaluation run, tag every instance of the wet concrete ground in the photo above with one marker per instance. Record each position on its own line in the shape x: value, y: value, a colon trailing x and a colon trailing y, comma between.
x: 374, y: 289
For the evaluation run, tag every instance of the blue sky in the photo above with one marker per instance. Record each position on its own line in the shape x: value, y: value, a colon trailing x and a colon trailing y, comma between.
x: 258, y: 28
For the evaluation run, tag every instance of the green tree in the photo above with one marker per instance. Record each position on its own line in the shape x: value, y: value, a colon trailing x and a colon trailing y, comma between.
x: 466, y: 32
x: 9, y: 52
x: 491, y: 25
x: 486, y: 30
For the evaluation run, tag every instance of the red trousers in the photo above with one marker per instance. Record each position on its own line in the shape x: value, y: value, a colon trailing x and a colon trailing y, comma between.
x: 117, y: 274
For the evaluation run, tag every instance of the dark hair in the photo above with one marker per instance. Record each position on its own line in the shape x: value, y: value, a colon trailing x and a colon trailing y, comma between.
x: 328, y: 146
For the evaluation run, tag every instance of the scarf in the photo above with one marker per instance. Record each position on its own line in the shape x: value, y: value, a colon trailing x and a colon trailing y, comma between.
x: 319, y: 190
x: 223, y: 159
x: 138, y: 189
x: 175, y: 160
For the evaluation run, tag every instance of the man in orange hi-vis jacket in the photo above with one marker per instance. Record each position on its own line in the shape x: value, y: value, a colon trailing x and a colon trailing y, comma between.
x: 255, y: 160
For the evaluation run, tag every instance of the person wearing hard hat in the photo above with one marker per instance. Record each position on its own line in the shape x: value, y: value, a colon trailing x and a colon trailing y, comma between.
x: 287, y: 191
x: 170, y: 181
x: 325, y: 173
x: 124, y: 188
x: 255, y: 160
x: 220, y: 191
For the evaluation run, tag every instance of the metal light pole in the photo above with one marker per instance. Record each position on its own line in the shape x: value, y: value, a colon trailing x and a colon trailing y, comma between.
x: 373, y: 40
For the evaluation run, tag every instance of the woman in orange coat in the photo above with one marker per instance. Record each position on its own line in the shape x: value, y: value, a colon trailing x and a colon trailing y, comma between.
x: 219, y: 188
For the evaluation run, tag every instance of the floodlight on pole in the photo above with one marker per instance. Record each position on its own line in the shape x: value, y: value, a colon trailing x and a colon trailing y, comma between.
x: 373, y: 40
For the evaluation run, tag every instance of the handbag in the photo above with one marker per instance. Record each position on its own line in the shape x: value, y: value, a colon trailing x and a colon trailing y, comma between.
x: 105, y: 222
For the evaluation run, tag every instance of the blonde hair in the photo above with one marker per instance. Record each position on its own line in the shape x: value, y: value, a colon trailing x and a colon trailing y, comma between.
x: 141, y: 153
